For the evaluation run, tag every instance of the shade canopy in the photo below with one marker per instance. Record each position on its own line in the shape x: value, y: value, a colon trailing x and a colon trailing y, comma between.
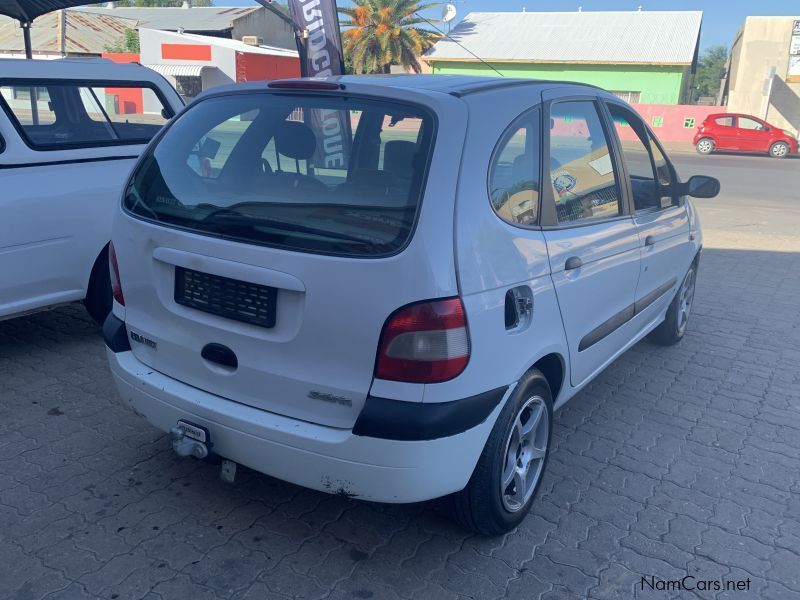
x: 26, y: 11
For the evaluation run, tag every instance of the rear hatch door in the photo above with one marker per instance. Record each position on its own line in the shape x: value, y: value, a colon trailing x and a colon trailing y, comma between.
x: 267, y: 237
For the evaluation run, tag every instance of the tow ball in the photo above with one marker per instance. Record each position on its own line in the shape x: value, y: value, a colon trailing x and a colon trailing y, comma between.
x: 192, y: 440
x: 185, y: 445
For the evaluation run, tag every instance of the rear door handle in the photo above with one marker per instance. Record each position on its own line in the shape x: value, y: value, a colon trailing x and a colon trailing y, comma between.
x: 573, y: 262
x: 650, y: 240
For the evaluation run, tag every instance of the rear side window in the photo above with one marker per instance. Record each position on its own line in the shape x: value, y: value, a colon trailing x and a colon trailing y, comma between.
x: 724, y: 121
x: 514, y: 174
x: 58, y: 115
x: 330, y: 175
x: 585, y: 183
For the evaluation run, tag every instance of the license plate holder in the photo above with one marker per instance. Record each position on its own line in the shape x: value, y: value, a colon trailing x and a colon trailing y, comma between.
x: 247, y: 302
x: 195, y: 432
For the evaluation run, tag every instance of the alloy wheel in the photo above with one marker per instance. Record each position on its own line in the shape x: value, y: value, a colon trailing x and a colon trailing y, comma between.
x: 526, y: 448
x: 685, y: 299
x: 780, y: 150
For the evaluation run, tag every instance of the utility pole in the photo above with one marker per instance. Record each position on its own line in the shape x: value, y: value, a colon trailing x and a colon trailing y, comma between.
x: 61, y: 31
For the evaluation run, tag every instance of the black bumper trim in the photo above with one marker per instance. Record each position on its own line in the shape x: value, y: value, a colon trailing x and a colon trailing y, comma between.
x: 415, y: 421
x: 115, y: 335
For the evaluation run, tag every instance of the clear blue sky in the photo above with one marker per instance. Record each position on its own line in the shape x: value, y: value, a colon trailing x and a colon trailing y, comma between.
x: 721, y: 18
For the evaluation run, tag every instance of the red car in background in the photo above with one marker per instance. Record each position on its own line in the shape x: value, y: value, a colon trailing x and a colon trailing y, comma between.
x: 743, y: 133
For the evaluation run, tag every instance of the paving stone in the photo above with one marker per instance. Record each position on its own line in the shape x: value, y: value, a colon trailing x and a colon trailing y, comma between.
x: 675, y: 461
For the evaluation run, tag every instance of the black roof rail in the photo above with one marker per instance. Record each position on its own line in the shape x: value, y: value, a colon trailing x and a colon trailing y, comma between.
x: 500, y: 83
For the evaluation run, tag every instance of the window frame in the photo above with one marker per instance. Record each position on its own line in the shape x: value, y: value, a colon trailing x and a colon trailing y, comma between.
x: 548, y: 216
x: 500, y: 146
x: 78, y: 83
x: 651, y: 137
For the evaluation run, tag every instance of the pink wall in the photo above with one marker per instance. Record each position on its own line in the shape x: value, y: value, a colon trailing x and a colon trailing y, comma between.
x: 670, y: 122
x: 672, y: 127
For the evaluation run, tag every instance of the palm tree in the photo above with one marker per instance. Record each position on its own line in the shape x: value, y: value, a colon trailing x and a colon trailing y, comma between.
x: 381, y: 33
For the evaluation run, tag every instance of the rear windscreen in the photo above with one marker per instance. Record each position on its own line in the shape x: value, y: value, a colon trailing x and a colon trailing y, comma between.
x: 333, y: 175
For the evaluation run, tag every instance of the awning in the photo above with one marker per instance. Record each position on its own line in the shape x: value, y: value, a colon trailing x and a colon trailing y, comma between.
x: 179, y: 70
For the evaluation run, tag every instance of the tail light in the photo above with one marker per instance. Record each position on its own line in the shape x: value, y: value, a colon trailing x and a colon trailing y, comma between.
x: 116, y: 282
x: 424, y: 343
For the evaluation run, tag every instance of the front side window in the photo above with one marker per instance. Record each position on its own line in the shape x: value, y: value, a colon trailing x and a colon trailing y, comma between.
x: 747, y: 123
x: 56, y: 115
x: 514, y: 173
x: 649, y: 171
x: 664, y: 174
x: 582, y: 173
x: 329, y: 175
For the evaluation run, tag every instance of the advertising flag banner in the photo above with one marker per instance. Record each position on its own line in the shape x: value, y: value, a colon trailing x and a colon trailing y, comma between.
x: 320, y: 46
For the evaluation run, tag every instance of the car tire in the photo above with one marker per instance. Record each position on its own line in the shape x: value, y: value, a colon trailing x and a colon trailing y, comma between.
x: 98, y: 299
x: 673, y: 328
x: 779, y: 150
x: 705, y: 146
x: 484, y: 505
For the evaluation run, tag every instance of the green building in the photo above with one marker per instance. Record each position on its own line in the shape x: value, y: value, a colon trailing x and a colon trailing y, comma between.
x: 646, y: 57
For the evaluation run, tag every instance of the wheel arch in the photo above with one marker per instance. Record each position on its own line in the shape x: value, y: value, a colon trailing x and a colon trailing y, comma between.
x: 554, y: 368
x: 97, y: 264
x: 707, y: 136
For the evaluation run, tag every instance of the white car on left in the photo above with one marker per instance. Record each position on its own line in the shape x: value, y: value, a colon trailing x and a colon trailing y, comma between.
x: 70, y: 132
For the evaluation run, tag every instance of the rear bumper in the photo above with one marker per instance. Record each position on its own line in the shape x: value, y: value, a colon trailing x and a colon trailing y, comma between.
x: 314, y: 456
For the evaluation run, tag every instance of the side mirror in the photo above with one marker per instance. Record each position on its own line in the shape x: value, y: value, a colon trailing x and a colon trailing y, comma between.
x: 701, y: 186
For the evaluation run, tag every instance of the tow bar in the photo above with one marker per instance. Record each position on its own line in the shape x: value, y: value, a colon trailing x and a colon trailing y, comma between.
x: 192, y: 440
x: 185, y: 445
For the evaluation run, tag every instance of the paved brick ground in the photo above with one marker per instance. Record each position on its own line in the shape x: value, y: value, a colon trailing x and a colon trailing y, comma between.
x: 675, y: 461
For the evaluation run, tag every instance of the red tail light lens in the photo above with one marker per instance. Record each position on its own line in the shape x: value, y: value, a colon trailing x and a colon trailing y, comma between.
x: 424, y: 343
x: 116, y: 283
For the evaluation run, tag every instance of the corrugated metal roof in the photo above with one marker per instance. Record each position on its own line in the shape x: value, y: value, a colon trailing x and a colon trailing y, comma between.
x: 198, y: 18
x: 86, y: 33
x: 645, y: 37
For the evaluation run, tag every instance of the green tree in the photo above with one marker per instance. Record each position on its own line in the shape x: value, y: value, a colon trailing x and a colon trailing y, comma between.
x: 381, y: 33
x: 129, y: 42
x: 709, y: 72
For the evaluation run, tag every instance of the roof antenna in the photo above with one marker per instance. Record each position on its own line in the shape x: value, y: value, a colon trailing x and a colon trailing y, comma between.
x: 459, y: 44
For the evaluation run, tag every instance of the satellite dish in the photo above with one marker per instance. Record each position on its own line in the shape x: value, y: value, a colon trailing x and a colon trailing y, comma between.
x: 448, y: 13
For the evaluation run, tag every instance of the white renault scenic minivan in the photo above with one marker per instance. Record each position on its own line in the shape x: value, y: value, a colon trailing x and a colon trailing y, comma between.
x: 383, y: 286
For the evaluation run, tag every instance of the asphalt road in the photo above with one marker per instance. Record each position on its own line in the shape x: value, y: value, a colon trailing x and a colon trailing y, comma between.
x: 760, y: 195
